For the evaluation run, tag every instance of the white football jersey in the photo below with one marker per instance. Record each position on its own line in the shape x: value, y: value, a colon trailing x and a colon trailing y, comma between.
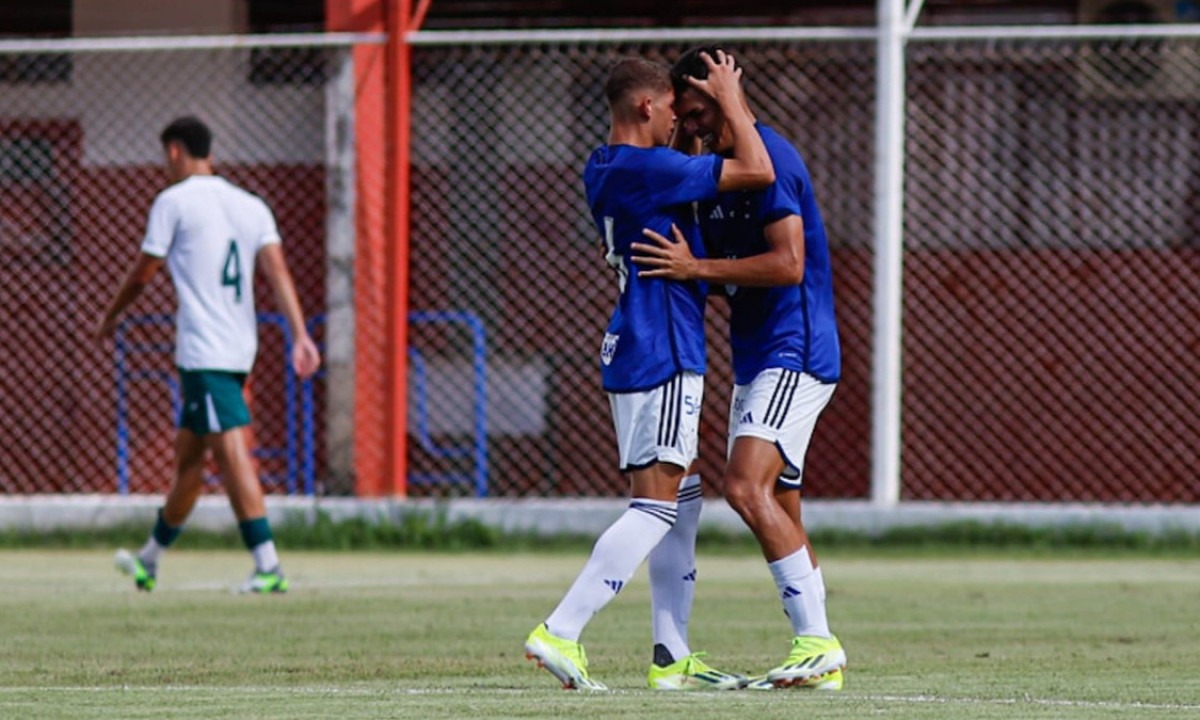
x: 210, y: 232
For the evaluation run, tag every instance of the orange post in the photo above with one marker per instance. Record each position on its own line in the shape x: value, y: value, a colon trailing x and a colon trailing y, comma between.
x: 399, y: 52
x: 383, y: 108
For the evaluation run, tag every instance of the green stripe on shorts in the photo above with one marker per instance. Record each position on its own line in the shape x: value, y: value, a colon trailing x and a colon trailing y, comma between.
x: 212, y: 401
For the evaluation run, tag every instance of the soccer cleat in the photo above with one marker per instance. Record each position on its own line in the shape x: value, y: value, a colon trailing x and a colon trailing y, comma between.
x: 692, y: 673
x: 564, y: 659
x: 265, y: 583
x: 815, y: 662
x: 131, y: 565
x: 758, y: 682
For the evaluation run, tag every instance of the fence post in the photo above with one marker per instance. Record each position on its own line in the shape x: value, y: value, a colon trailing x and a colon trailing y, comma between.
x: 889, y: 255
x: 370, y: 247
x: 340, y: 238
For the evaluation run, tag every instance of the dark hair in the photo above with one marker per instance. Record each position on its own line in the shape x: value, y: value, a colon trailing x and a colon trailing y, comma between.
x: 190, y: 132
x: 634, y: 73
x: 691, y: 64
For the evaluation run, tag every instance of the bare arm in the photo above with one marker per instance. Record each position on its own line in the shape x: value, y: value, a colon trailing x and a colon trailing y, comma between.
x: 140, y: 274
x: 782, y: 263
x: 750, y: 166
x: 305, y: 357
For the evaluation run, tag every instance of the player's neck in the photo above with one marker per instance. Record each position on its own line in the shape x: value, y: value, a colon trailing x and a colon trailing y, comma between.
x: 200, y: 168
x: 635, y: 134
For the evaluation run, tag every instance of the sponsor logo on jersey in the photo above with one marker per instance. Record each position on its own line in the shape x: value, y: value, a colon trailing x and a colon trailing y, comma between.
x: 608, y: 348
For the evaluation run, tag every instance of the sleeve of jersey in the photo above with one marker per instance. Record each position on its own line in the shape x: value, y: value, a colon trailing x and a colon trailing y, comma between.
x: 782, y: 198
x: 269, y: 234
x: 160, y: 228
x: 677, y: 178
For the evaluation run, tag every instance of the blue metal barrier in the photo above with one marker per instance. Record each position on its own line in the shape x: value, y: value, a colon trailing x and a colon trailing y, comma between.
x: 302, y: 459
x: 478, y: 448
x: 126, y: 348
x: 308, y: 407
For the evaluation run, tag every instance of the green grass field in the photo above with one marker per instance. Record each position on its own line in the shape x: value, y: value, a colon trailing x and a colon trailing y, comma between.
x: 439, y: 636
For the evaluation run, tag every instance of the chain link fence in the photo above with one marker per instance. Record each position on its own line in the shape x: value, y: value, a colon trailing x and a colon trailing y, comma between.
x: 1050, y: 347
x: 1051, y: 270
x: 80, y: 163
x: 501, y: 233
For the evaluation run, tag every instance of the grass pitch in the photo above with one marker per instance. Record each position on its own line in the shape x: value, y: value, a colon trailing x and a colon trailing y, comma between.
x: 440, y: 635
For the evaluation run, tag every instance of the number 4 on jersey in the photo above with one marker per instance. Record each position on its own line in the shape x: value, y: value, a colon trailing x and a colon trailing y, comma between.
x: 616, y: 261
x: 231, y: 275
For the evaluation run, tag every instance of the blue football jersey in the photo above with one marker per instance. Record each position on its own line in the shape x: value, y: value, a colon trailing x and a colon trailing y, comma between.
x: 789, y: 327
x: 657, y: 328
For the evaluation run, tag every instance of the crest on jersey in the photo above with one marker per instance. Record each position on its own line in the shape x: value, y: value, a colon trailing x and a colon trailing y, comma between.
x: 608, y: 348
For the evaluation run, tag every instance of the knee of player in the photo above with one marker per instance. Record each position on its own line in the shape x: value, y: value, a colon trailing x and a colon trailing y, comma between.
x: 744, y: 493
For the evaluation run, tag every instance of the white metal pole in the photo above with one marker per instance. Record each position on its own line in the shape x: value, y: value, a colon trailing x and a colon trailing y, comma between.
x: 889, y: 249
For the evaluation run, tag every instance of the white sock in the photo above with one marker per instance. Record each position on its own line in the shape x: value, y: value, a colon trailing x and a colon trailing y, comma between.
x: 615, y: 557
x: 673, y: 573
x: 802, y: 590
x: 265, y: 556
x: 151, y: 552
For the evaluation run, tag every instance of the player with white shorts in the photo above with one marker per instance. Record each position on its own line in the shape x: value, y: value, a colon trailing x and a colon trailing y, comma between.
x: 660, y: 425
x: 769, y: 249
x: 780, y: 406
x: 652, y: 361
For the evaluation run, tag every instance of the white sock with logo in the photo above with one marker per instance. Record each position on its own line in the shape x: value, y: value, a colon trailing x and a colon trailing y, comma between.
x: 802, y: 590
x: 673, y: 573
x: 615, y: 557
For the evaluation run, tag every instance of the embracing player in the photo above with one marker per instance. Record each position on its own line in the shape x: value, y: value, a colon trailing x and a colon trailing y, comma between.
x: 652, y: 365
x: 770, y: 250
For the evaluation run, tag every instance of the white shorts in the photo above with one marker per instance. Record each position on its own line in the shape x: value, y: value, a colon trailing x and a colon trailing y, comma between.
x: 659, y: 425
x: 781, y: 407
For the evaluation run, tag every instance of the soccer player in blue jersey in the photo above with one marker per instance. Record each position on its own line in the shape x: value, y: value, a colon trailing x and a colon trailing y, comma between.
x: 652, y: 363
x: 769, y: 249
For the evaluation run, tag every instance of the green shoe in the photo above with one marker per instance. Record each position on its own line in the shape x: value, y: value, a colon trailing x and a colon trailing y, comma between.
x: 265, y: 583
x: 563, y: 658
x: 815, y: 662
x: 131, y: 565
x: 692, y: 673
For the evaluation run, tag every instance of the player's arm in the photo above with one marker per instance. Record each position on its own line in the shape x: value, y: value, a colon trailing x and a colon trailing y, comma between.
x: 782, y: 263
x: 750, y: 166
x: 140, y: 274
x: 305, y: 356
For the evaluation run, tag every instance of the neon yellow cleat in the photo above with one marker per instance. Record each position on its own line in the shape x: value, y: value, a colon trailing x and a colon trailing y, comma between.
x: 264, y: 583
x: 815, y: 662
x: 759, y: 682
x: 564, y: 659
x: 692, y: 673
x: 131, y: 565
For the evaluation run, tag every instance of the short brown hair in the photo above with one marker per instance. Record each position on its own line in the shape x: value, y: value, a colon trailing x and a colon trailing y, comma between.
x: 633, y: 73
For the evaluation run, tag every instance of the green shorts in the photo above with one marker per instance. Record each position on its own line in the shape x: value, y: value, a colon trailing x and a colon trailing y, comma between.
x: 212, y: 401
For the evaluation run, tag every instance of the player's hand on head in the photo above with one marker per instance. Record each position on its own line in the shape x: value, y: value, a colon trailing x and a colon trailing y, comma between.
x: 723, y: 83
x: 306, y: 359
